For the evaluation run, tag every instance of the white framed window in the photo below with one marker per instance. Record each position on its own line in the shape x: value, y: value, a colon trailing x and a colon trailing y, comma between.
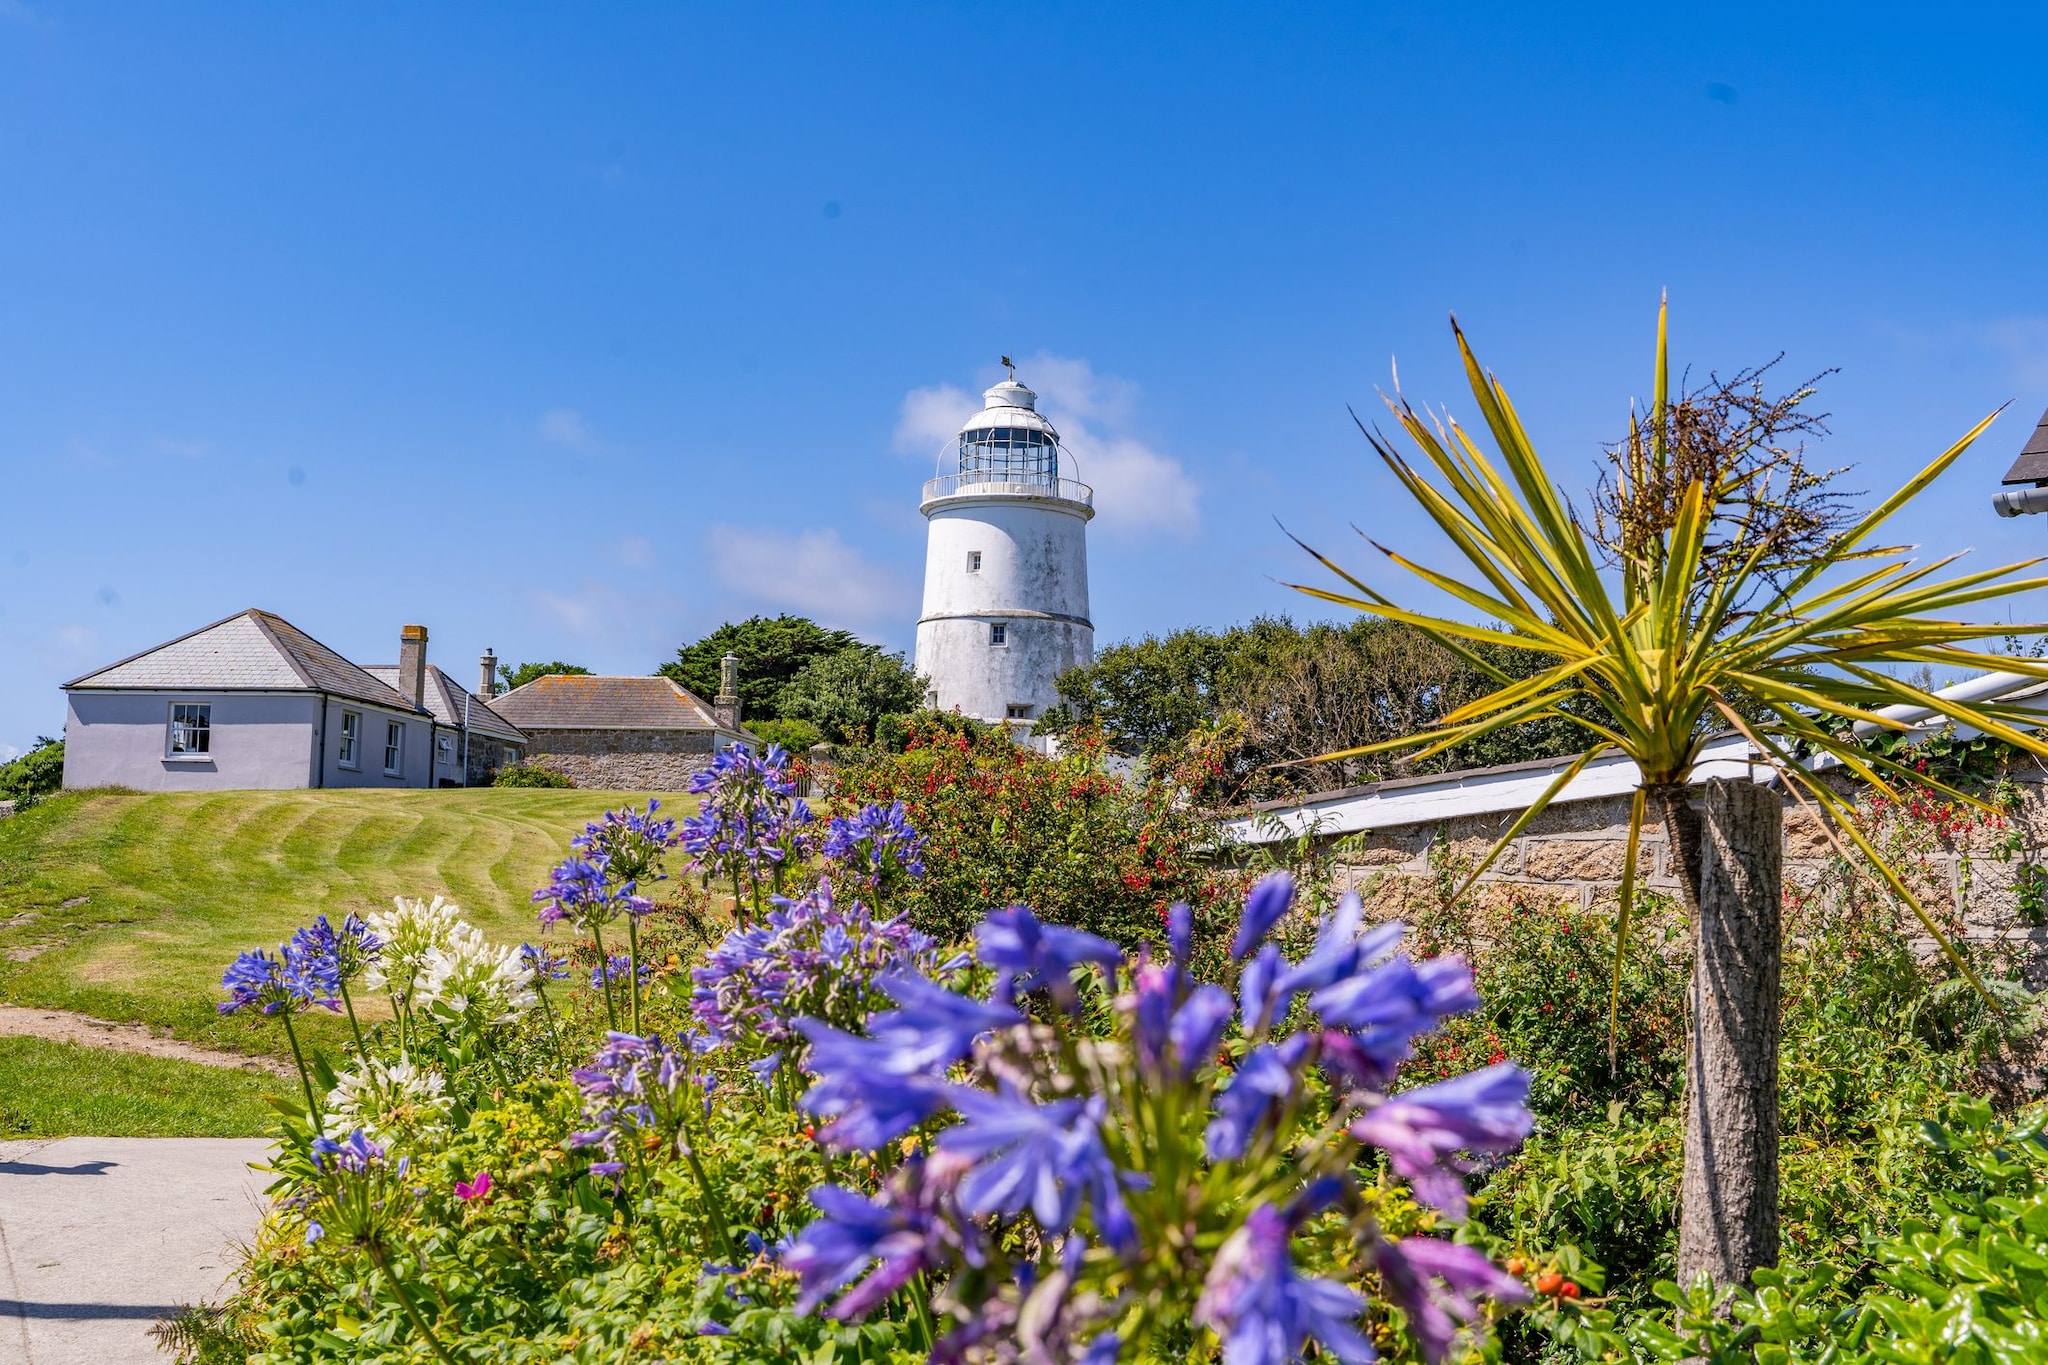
x: 998, y: 635
x: 351, y: 739
x: 190, y: 733
x: 394, y: 748
x: 1018, y: 710
x: 446, y: 745
x: 974, y: 561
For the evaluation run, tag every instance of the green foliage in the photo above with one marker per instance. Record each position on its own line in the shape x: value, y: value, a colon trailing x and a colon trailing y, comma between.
x: 35, y: 774
x: 1003, y: 824
x: 531, y: 774
x: 52, y: 1089
x: 846, y: 695
x: 795, y: 736
x: 1963, y: 1280
x: 526, y: 673
x: 772, y: 650
x: 1866, y: 1062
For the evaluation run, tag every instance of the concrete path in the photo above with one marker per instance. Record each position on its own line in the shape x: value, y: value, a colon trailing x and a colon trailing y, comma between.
x: 100, y: 1237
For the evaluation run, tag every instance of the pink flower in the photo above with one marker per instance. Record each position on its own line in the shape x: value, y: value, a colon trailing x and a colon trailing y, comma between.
x: 474, y: 1189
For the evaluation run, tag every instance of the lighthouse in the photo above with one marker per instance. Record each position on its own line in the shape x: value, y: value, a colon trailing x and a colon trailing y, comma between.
x: 1006, y: 567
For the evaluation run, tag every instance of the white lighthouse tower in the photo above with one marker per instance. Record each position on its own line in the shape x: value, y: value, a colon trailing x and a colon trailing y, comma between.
x: 1006, y: 567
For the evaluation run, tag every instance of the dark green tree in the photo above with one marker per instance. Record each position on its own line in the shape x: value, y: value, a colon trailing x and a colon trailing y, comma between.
x: 771, y: 650
x: 526, y: 673
x: 35, y: 774
x: 847, y: 694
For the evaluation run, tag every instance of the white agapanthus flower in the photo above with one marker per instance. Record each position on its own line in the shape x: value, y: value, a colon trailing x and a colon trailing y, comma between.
x: 467, y: 977
x: 410, y: 930
x: 383, y: 1097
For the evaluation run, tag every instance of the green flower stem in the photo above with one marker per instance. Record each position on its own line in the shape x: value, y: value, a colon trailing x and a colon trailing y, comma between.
x: 348, y: 1003
x: 305, y: 1077
x: 604, y: 976
x: 378, y: 1255
x: 713, y: 1205
x: 633, y: 965
x: 921, y: 1303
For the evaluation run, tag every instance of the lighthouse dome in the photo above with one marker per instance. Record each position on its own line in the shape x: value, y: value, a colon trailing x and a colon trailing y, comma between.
x: 1008, y: 441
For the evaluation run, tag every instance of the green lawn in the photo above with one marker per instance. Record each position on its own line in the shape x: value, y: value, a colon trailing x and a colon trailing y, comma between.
x: 63, y: 1090
x: 127, y: 906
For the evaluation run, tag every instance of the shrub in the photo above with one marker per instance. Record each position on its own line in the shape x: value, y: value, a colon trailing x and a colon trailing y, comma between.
x: 1005, y: 825
x: 531, y: 774
x: 795, y: 736
x: 35, y: 775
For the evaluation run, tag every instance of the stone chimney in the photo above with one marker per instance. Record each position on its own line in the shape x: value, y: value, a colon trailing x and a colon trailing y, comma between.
x: 412, y: 664
x: 487, y: 686
x: 726, y: 705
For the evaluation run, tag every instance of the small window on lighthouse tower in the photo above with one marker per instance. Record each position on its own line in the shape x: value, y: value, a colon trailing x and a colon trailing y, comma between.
x: 998, y: 634
x: 974, y: 561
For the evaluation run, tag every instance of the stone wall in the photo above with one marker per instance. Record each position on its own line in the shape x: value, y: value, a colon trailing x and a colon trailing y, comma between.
x: 623, y: 760
x: 1977, y: 874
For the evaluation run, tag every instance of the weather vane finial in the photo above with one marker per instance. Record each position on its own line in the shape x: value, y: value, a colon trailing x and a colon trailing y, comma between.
x: 1011, y: 366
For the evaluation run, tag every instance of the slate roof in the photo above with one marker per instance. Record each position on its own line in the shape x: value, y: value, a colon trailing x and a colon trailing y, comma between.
x: 2032, y: 465
x: 252, y: 650
x: 572, y: 701
x: 445, y: 698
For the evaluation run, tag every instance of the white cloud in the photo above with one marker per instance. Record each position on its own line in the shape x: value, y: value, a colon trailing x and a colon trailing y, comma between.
x: 810, y: 571
x: 8, y: 753
x: 1138, y: 488
x: 931, y: 418
x: 564, y: 427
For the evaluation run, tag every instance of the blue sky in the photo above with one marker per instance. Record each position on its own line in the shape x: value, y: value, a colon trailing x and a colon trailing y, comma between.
x: 574, y: 330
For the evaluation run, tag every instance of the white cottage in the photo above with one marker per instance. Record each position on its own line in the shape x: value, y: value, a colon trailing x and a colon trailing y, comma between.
x: 253, y: 701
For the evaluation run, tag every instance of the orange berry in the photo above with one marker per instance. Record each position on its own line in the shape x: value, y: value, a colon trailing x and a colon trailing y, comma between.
x: 1549, y: 1282
x: 1516, y: 1266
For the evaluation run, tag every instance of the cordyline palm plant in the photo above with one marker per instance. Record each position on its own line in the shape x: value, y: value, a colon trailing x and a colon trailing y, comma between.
x: 1651, y: 659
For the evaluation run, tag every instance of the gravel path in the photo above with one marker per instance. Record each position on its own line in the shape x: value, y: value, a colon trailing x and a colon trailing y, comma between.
x: 62, y: 1026
x: 100, y: 1237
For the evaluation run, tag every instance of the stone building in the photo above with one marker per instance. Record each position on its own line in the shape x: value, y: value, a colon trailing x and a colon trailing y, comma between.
x: 471, y: 741
x: 621, y: 734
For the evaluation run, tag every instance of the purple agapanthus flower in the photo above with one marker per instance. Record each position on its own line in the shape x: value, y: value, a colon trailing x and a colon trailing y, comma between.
x: 543, y: 964
x: 877, y: 1088
x: 618, y: 967
x: 324, y: 953
x: 750, y: 823
x: 1439, y: 1285
x: 1258, y: 990
x: 1387, y: 1006
x: 877, y: 845
x: 1176, y: 1030
x: 1423, y: 1129
x: 1044, y: 1157
x: 1270, y: 896
x: 819, y: 956
x: 1263, y: 1081
x: 1180, y: 932
x: 1339, y: 950
x: 632, y: 1085
x: 353, y: 1154
x: 1028, y: 955
x: 900, y: 1233
x: 274, y: 984
x: 1264, y: 1311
